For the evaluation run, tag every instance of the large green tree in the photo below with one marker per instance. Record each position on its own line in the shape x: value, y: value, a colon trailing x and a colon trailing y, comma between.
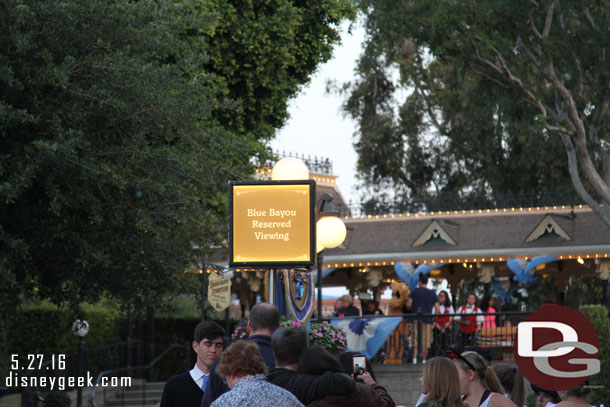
x: 489, y: 97
x: 121, y: 123
x: 111, y: 163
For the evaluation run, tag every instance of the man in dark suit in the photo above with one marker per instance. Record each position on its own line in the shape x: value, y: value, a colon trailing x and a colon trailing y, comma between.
x: 186, y: 389
x: 264, y: 320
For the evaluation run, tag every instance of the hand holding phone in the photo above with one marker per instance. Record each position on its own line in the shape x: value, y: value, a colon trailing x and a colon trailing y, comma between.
x: 359, y: 364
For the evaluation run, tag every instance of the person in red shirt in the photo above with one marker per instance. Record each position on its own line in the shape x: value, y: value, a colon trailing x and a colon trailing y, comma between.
x: 469, y: 325
x: 441, y: 331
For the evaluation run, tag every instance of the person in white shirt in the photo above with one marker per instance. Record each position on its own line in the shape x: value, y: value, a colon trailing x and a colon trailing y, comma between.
x: 441, y: 329
x: 479, y: 384
x: 471, y: 324
x: 186, y: 389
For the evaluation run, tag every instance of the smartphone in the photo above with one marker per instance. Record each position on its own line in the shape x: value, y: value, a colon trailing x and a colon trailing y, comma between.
x: 359, y: 364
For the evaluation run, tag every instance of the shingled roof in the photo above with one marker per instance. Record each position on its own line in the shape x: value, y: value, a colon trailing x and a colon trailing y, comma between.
x: 478, y: 235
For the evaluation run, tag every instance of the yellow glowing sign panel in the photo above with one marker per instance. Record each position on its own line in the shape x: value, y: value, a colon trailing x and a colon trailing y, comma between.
x: 272, y: 224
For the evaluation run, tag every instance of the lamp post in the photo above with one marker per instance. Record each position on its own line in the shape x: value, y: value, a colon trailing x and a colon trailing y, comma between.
x: 330, y: 230
x: 80, y: 328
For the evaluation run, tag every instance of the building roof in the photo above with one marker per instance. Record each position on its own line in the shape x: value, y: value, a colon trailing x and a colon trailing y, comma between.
x: 486, y: 235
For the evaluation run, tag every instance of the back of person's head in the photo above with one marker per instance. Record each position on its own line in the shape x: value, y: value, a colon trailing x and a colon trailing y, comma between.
x: 483, y: 371
x: 208, y: 330
x: 348, y: 298
x: 288, y: 343
x: 443, y: 382
x: 241, y: 359
x: 581, y: 391
x: 552, y: 394
x: 264, y: 316
x: 423, y: 278
x: 485, y: 303
x: 346, y: 360
x: 317, y: 360
x: 483, y: 352
x: 512, y: 380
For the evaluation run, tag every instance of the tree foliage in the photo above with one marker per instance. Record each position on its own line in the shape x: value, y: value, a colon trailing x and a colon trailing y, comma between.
x: 264, y: 50
x: 121, y: 123
x: 489, y: 97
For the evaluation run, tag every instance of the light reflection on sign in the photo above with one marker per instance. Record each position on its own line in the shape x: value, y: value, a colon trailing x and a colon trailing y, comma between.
x: 272, y: 223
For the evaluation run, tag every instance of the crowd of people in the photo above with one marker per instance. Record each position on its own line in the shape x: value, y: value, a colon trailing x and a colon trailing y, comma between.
x: 275, y: 367
x: 437, y: 331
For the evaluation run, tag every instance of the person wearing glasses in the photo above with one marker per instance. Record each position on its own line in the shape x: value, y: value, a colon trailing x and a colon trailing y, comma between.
x: 186, y: 389
x: 479, y: 384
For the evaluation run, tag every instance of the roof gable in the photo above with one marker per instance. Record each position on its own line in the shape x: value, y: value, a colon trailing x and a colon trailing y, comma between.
x: 434, y: 234
x: 548, y: 229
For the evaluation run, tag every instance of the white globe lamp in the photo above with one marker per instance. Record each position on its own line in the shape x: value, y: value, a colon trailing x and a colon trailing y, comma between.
x: 289, y: 169
x: 330, y: 232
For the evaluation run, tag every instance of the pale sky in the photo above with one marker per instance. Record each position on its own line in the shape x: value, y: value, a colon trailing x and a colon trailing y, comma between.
x: 316, y: 126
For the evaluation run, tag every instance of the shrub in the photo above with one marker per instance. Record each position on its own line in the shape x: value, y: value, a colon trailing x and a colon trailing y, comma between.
x: 241, y: 331
x: 57, y: 399
x: 327, y: 336
x: 598, y: 315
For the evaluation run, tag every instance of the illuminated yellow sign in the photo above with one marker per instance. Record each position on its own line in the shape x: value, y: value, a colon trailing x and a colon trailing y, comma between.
x: 272, y: 223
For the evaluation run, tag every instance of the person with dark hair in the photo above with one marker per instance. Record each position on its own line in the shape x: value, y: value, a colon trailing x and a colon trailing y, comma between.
x: 317, y: 360
x: 512, y: 380
x: 423, y: 300
x: 441, y: 329
x: 479, y: 384
x: 288, y: 345
x: 264, y: 320
x: 545, y: 397
x: 576, y: 397
x: 187, y: 389
x: 371, y: 307
x: 486, y: 308
x: 470, y: 324
x: 243, y: 368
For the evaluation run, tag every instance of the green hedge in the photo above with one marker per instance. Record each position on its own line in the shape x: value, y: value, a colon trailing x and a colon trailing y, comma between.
x: 598, y: 315
x: 47, y: 330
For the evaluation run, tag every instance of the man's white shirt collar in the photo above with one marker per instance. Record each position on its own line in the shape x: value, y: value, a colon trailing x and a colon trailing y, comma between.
x: 197, y: 375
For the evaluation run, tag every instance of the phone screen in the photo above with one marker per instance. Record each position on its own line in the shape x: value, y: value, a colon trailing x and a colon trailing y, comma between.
x: 359, y: 364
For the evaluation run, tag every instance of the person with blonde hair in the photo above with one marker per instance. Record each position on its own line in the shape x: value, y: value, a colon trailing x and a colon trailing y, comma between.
x: 480, y: 385
x: 440, y: 383
x: 348, y: 309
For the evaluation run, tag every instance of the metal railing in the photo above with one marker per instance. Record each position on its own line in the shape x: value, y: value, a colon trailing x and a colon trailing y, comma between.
x: 41, y: 378
x: 118, y: 396
x: 318, y: 165
x: 451, y: 203
x: 407, y: 342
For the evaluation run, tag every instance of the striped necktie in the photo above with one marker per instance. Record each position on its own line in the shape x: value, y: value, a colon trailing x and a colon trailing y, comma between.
x: 205, y: 381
